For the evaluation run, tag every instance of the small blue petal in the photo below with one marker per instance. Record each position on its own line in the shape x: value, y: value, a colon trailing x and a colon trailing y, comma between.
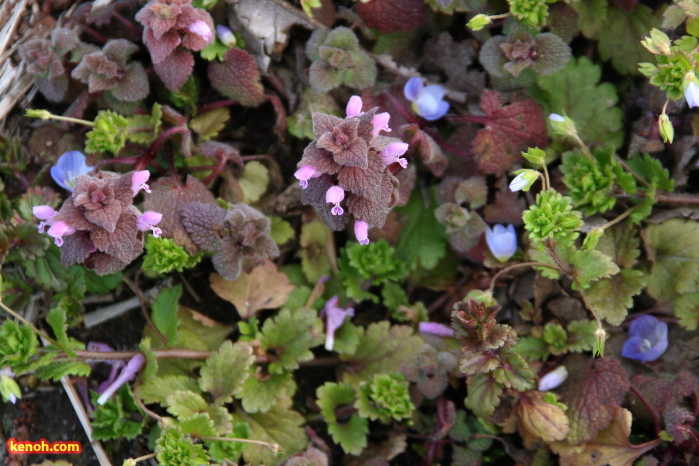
x: 435, y: 90
x: 647, y: 327
x: 426, y: 105
x: 68, y: 166
x: 633, y: 349
x: 442, y: 109
x: 656, y: 351
x: 412, y: 88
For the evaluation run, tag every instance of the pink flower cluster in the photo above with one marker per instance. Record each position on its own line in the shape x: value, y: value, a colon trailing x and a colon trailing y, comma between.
x: 98, y: 225
x: 349, y: 162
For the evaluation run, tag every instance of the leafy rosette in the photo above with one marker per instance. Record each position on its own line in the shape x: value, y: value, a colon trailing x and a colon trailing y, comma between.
x: 350, y: 162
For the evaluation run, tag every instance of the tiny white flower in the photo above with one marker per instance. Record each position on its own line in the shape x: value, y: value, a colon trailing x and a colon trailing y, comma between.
x: 502, y: 241
x: 518, y: 183
x: 556, y: 117
x: 691, y: 93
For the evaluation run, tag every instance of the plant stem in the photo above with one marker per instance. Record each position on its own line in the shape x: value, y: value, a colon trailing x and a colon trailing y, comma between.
x: 34, y: 329
x: 649, y: 407
x: 547, y: 179
x: 633, y: 173
x: 73, y: 120
x: 217, y: 104
x: 276, y: 447
x: 677, y: 199
x: 516, y: 266
x: 145, y: 457
x: 619, y: 218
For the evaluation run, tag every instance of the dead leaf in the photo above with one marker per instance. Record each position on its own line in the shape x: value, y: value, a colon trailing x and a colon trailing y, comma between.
x: 540, y: 420
x: 263, y: 288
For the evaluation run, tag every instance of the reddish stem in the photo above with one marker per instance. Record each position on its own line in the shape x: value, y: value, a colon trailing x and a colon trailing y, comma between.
x: 445, y: 145
x: 649, y: 407
x: 152, y: 151
x: 137, y: 32
x: 281, y: 112
x: 217, y: 104
x: 96, y: 35
x: 212, y: 176
x: 404, y: 111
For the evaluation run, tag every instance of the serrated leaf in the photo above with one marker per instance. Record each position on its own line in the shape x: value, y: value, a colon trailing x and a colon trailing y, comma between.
x: 531, y: 348
x: 184, y: 404
x: 686, y: 309
x: 619, y: 38
x: 215, y: 51
x: 164, y: 313
x: 280, y: 425
x: 612, y: 297
x: 263, y: 288
x: 118, y: 417
x: 350, y: 434
x: 57, y: 369
x: 58, y: 321
x: 381, y: 348
x: 157, y: 389
x: 225, y: 371
x: 590, y: 265
x: 592, y: 405
x: 315, y: 260
x: 253, y: 181
x: 515, y: 373
x: 47, y: 270
x: 581, y: 336
x: 237, y: 77
x: 652, y: 170
x: 676, y: 266
x: 538, y: 419
x: 258, y: 395
x: 282, y: 231
x: 621, y: 243
x: 143, y: 129
x: 483, y: 394
x: 102, y: 284
x: 290, y: 337
x: 592, y: 16
x: 198, y: 424
x: 423, y: 240
x: 575, y: 91
x: 208, y: 125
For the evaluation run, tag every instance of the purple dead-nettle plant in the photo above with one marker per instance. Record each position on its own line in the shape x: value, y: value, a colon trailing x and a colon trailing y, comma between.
x: 110, y: 70
x: 98, y: 225
x: 239, y: 238
x: 334, y: 318
x: 127, y: 373
x: 346, y: 172
x: 174, y: 29
x: 68, y: 166
x: 115, y: 365
x: 47, y: 60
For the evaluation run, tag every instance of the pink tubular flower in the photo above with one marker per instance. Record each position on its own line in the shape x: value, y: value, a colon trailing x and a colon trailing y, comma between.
x: 354, y: 106
x: 44, y: 213
x: 128, y: 373
x: 60, y: 229
x: 305, y: 173
x: 380, y: 122
x: 334, y: 318
x: 146, y: 221
x: 201, y: 28
x: 392, y: 154
x: 361, y: 231
x: 116, y: 365
x: 335, y: 195
x: 434, y: 328
x: 138, y: 181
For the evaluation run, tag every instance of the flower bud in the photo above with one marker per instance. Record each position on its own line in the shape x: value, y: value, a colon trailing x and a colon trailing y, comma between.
x: 524, y: 180
x: 658, y: 42
x: 478, y: 22
x: 361, y: 231
x: 535, y: 155
x: 553, y: 379
x: 563, y: 125
x: 225, y: 35
x: 667, y: 131
x: 592, y: 238
x: 354, y: 106
x: 691, y: 89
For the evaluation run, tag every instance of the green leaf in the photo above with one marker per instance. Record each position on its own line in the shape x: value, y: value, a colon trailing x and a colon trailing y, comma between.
x: 143, y: 129
x: 483, y: 394
x: 621, y: 243
x: 174, y: 447
x: 581, y: 335
x: 346, y: 338
x: 9, y: 388
x: 556, y: 337
x: 261, y: 394
x: 18, y: 343
x: 48, y: 271
x: 290, y: 337
x: 686, y: 309
x: 225, y: 371
x: 514, y: 372
x: 164, y: 313
x: 590, y: 265
x: 314, y: 254
x: 230, y: 450
x: 531, y: 348
x: 57, y: 319
x: 253, y: 181
x: 184, y: 404
x: 423, y: 240
x: 109, y: 133
x: 376, y: 262
x: 350, y: 434
x: 651, y: 170
x: 57, y: 369
x: 215, y: 51
x: 208, y: 125
x: 120, y: 418
x: 611, y: 297
x: 280, y: 425
x: 198, y: 424
x: 157, y: 389
x: 381, y: 348
x: 163, y: 256
x: 385, y: 397
x: 282, y: 231
x: 576, y: 92
x: 102, y: 284
x: 619, y: 38
x: 676, y: 266
x: 592, y: 16
x: 151, y: 367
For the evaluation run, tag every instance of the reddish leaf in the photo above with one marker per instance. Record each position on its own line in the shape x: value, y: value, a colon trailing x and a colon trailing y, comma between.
x: 593, y: 403
x: 507, y: 208
x: 665, y: 390
x: 509, y: 129
x: 238, y: 77
x: 392, y: 15
x: 168, y: 198
x: 424, y: 147
x: 175, y: 69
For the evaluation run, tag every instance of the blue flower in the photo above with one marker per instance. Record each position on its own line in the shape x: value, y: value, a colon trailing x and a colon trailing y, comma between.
x: 647, y: 339
x: 68, y: 166
x: 502, y: 241
x: 427, y: 100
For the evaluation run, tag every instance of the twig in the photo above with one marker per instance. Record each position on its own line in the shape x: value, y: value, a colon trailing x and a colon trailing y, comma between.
x: 515, y: 266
